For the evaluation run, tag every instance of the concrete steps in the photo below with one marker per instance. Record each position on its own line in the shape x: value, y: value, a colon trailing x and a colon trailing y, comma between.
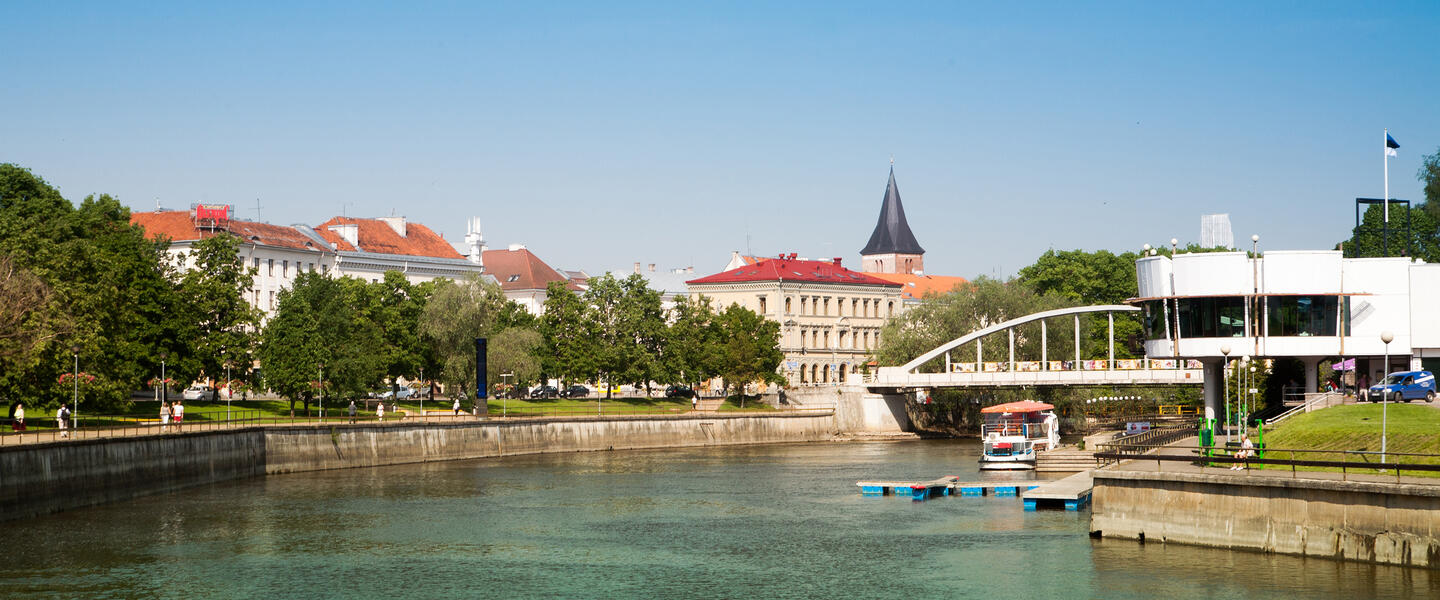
x: 1064, y: 460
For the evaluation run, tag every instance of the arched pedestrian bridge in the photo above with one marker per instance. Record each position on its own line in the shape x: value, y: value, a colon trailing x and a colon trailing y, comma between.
x: 1068, y: 371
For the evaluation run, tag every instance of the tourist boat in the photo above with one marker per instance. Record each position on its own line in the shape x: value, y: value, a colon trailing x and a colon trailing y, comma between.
x: 1015, y: 432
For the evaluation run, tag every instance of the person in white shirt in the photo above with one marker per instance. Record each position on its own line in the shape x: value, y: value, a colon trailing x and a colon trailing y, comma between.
x: 1247, y: 450
x: 62, y: 417
x: 380, y: 412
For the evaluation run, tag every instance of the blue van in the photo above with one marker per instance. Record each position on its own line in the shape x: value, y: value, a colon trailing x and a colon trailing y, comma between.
x: 1406, y: 386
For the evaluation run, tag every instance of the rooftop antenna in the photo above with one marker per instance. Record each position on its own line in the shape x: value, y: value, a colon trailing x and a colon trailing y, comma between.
x: 892, y: 159
x: 343, y: 207
x: 257, y: 209
x: 157, y: 204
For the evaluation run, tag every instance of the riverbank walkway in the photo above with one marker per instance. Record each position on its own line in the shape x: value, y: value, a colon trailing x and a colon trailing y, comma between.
x: 1189, y: 447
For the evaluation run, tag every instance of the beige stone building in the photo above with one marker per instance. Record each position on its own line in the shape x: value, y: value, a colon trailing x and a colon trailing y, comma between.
x: 830, y: 316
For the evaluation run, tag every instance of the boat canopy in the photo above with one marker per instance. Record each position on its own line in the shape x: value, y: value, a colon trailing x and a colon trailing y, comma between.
x: 1018, y: 407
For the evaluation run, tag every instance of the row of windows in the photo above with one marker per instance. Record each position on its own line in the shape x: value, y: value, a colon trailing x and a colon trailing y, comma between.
x: 1297, y: 316
x: 860, y: 340
x: 285, y: 267
x: 824, y: 374
x: 820, y: 306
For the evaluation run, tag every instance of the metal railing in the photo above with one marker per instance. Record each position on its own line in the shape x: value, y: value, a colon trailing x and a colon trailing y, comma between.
x: 1322, y: 400
x: 1350, y: 460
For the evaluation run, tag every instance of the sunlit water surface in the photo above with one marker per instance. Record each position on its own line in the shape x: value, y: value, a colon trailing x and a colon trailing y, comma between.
x: 778, y: 521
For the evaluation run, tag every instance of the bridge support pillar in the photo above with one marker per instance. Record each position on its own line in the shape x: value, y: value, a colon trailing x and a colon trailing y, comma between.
x: 1312, y: 373
x: 1214, y: 371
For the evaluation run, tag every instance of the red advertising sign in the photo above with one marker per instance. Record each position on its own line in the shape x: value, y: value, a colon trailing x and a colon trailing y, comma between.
x: 217, y: 212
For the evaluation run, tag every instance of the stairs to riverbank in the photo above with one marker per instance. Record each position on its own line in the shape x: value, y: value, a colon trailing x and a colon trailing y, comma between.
x: 1065, y: 459
x: 710, y: 404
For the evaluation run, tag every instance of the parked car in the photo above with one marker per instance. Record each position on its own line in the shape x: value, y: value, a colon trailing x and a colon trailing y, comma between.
x: 1404, y: 386
x: 679, y: 391
x: 404, y: 393
x: 544, y: 391
x: 198, y: 392
x: 575, y: 391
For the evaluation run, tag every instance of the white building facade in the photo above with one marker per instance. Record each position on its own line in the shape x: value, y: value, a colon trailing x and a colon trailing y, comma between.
x: 1311, y: 305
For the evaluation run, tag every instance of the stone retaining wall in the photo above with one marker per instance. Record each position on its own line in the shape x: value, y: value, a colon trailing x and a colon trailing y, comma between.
x: 1364, y: 521
x: 37, y: 479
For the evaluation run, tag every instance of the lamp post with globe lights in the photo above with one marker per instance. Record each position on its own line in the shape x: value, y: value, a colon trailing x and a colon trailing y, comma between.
x: 1385, y: 336
x: 75, y: 395
x: 1225, y: 385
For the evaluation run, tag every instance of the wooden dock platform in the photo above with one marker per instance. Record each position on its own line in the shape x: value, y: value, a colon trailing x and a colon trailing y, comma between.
x: 1073, y: 492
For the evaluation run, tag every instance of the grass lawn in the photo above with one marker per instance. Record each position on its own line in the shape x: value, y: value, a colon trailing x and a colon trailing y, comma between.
x: 1411, y: 428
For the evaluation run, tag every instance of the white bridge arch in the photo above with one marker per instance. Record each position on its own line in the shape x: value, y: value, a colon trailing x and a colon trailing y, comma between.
x: 1035, y: 373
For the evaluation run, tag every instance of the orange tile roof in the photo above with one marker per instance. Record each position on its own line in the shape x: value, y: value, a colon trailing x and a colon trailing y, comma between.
x: 919, y: 286
x: 522, y: 270
x: 177, y: 225
x: 377, y: 236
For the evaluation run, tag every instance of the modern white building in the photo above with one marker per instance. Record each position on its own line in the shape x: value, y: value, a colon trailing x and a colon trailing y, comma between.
x: 1311, y: 305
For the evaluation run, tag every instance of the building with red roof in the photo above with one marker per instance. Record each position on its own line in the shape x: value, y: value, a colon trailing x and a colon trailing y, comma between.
x: 524, y: 277
x: 343, y: 246
x: 830, y: 316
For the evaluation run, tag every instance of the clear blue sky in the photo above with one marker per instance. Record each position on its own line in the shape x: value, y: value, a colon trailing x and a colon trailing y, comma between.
x: 602, y: 135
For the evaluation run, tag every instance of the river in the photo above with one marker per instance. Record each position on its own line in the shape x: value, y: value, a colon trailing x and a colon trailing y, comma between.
x: 776, y: 521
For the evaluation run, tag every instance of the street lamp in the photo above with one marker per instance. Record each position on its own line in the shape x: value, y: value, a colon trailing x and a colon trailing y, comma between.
x: 75, y: 395
x: 164, y: 383
x: 322, y: 390
x: 1385, y: 336
x: 504, y: 398
x: 229, y: 393
x: 1174, y: 246
x: 422, y: 395
x: 1225, y: 349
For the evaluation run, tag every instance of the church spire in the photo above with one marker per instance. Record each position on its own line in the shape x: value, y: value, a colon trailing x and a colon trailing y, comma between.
x: 892, y: 233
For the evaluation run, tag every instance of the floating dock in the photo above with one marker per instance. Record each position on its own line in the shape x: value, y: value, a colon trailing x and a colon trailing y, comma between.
x: 1072, y: 492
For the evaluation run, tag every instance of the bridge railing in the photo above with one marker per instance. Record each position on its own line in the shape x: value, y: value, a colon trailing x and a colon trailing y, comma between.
x: 1035, y: 366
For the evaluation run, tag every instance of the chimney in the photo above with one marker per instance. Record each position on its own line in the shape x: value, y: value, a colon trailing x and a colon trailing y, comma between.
x: 349, y: 232
x: 836, y: 261
x: 396, y: 223
x: 652, y: 267
x: 637, y: 267
x: 516, y: 247
x: 689, y: 269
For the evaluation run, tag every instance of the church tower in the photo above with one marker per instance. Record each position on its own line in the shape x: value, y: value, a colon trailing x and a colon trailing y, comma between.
x: 892, y: 247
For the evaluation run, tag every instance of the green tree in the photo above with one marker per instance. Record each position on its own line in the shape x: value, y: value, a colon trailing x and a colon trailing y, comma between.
x: 514, y: 350
x: 396, y: 306
x: 1429, y: 174
x: 570, y: 334
x: 317, y: 326
x: 456, y: 314
x: 749, y: 349
x: 1089, y: 278
x: 1424, y: 241
x: 970, y: 307
x: 224, y: 327
x: 112, y: 291
x: 631, y: 326
x: 691, y: 350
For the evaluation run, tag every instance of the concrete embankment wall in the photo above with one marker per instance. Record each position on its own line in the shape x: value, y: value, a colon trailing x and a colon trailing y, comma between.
x: 1363, y: 521
x: 37, y: 479
x: 856, y: 409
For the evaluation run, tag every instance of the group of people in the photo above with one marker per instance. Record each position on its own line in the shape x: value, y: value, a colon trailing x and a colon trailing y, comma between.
x: 62, y: 419
x: 171, y: 412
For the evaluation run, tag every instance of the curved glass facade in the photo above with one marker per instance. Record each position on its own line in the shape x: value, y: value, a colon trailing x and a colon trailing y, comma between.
x: 1224, y: 316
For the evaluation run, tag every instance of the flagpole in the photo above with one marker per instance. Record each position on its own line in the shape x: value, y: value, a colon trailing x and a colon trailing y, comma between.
x: 1385, y: 144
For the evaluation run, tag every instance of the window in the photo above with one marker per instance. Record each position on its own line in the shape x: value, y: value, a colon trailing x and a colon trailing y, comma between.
x: 312, y: 267
x: 272, y: 295
x: 802, y: 374
x: 762, y: 305
x: 827, y: 306
x: 270, y: 267
x: 324, y: 268
x: 513, y: 278
x: 1155, y: 319
x: 1212, y: 317
x: 827, y: 340
x: 257, y: 264
x: 787, y: 305
x: 854, y: 304
x: 284, y: 268
x: 802, y: 305
x: 1303, y: 315
x: 802, y: 339
x: 891, y: 309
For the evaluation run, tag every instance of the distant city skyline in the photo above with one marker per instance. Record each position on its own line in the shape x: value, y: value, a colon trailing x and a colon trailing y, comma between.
x: 603, y: 135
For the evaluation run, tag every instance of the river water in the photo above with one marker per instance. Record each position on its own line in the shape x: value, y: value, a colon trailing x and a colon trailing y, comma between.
x: 776, y: 521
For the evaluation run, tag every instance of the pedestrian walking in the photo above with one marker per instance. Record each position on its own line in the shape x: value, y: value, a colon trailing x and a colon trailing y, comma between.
x: 457, y: 407
x: 351, y: 410
x: 380, y: 412
x: 179, y: 414
x: 164, y: 415
x: 62, y: 419
x: 694, y: 401
x: 18, y: 424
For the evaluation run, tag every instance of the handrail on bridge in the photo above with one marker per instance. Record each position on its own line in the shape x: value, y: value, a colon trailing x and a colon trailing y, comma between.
x: 1146, y: 452
x: 975, y: 336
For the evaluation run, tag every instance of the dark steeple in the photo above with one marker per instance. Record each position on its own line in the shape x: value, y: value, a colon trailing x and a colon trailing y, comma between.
x: 892, y: 234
